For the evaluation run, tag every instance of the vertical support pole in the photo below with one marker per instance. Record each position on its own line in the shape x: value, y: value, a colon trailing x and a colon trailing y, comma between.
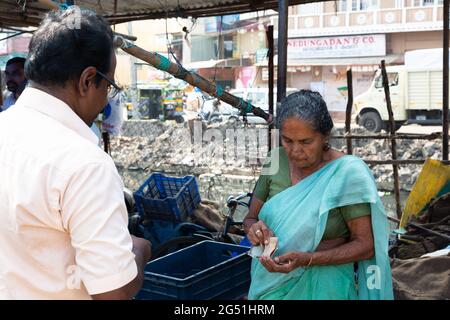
x: 283, y: 6
x: 220, y: 42
x: 271, y: 80
x: 445, y: 98
x: 392, y: 138
x: 348, y: 111
x: 1, y: 91
x: 106, y: 142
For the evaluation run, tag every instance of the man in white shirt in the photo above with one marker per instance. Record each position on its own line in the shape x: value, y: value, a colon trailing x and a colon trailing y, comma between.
x: 15, y: 81
x: 63, y: 219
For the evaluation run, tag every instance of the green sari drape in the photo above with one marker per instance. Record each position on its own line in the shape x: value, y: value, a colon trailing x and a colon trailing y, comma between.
x: 298, y: 217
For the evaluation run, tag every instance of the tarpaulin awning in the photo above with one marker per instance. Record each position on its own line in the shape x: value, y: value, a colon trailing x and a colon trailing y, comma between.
x: 15, y: 13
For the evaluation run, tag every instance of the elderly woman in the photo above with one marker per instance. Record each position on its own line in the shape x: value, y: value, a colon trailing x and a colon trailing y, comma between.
x: 324, y: 208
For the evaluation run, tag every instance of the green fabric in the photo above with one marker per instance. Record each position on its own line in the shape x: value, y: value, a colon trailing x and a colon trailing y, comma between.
x: 336, y: 224
x: 319, y: 283
x: 298, y: 217
x: 445, y: 189
x: 270, y: 185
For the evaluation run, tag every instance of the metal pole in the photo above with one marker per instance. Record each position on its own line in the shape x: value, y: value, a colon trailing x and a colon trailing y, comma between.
x: 12, y: 36
x: 445, y: 99
x: 271, y: 80
x: 348, y: 111
x: 393, y: 141
x: 283, y: 6
x: 133, y: 73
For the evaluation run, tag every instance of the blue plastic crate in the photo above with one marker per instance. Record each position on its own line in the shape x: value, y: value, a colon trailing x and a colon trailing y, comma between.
x: 167, y: 198
x: 205, y: 271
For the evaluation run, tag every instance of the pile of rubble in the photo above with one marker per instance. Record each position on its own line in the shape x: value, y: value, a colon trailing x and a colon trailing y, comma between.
x: 149, y: 146
x: 369, y: 149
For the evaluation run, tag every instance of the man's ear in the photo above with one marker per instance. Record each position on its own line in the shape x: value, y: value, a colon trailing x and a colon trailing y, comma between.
x: 87, y: 79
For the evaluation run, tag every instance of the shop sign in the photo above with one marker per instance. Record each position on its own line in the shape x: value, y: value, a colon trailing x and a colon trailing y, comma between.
x: 336, y: 47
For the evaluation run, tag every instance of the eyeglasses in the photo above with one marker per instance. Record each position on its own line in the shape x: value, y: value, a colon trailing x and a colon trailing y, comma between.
x: 113, y: 88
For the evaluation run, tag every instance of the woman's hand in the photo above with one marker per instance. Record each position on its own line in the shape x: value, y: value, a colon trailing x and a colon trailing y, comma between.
x: 333, y: 252
x: 259, y: 233
x: 287, y: 262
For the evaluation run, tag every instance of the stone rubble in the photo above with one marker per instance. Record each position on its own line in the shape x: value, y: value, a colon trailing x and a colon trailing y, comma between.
x: 381, y: 150
x: 154, y: 146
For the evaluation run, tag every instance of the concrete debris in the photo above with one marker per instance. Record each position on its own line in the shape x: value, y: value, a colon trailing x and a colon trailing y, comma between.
x: 381, y: 150
x: 229, y: 149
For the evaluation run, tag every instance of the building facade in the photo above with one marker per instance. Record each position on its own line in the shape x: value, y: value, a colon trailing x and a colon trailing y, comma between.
x: 325, y: 40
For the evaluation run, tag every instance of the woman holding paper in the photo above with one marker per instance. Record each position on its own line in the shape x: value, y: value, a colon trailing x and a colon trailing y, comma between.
x: 324, y: 210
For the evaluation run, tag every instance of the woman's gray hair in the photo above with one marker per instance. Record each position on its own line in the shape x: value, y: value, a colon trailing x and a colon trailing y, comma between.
x: 308, y: 106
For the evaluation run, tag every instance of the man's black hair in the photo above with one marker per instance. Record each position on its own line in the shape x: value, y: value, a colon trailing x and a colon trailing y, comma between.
x: 66, y: 43
x: 17, y: 60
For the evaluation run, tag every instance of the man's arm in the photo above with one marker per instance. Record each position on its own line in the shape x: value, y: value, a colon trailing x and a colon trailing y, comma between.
x: 142, y: 251
x: 110, y: 261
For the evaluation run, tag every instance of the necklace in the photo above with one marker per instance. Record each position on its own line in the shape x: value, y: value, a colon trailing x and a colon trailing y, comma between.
x: 295, y: 178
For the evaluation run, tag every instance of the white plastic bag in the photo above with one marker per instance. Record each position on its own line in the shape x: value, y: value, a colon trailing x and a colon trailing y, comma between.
x: 113, y: 116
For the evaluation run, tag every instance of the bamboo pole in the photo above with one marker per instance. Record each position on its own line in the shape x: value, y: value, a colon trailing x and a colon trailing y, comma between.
x: 393, y: 141
x: 283, y: 13
x: 162, y: 63
x: 394, y: 162
x: 348, y: 112
x: 432, y: 136
x: 445, y: 75
x: 270, y: 54
x: 49, y: 4
x: 422, y: 228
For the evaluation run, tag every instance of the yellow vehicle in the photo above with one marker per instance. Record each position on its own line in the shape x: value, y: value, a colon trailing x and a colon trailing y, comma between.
x: 173, y: 104
x: 159, y: 102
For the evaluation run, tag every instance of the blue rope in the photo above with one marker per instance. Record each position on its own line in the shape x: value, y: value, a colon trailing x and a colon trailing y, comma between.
x: 246, y: 107
x: 219, y: 91
x: 64, y: 6
x: 164, y: 63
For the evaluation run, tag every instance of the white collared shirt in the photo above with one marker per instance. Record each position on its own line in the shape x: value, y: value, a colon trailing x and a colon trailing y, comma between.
x: 63, y: 220
x: 10, y: 100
